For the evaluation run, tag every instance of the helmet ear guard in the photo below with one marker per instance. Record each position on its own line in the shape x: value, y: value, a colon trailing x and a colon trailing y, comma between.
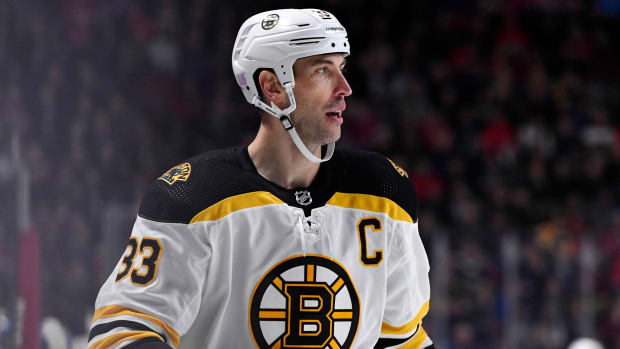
x: 275, y: 40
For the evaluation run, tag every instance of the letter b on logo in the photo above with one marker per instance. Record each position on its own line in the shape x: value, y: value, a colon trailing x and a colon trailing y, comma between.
x: 310, y: 308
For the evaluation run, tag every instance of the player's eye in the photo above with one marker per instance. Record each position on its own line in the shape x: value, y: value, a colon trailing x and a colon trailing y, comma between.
x: 322, y: 70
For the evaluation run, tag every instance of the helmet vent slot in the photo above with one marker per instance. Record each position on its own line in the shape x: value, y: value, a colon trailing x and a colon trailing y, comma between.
x: 303, y: 43
x: 242, y: 38
x: 315, y: 38
x: 306, y: 41
x: 303, y: 25
x: 247, y: 29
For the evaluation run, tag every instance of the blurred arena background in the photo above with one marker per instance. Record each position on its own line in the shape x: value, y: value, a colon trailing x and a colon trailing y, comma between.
x: 504, y: 113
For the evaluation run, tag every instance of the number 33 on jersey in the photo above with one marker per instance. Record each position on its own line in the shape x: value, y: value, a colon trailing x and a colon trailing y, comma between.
x: 146, y: 271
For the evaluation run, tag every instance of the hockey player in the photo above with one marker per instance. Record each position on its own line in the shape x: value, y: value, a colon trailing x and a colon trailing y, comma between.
x: 278, y: 244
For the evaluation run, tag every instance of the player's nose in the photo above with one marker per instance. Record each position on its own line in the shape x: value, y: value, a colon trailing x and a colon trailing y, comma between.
x: 342, y: 86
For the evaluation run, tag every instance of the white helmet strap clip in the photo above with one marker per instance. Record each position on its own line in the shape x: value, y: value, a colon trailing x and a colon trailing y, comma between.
x: 287, y: 123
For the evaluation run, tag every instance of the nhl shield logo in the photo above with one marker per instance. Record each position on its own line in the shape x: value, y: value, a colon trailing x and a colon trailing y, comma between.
x: 303, y: 197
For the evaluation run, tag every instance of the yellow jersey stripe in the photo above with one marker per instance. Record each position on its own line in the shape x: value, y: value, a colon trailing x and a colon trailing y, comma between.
x: 416, y: 341
x: 333, y: 344
x: 235, y: 203
x: 122, y: 337
x: 408, y: 327
x: 371, y: 203
x: 117, y: 310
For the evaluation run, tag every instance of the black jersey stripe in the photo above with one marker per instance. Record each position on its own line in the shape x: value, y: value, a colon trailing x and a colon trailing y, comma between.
x: 148, y: 343
x: 390, y: 342
x: 108, y: 326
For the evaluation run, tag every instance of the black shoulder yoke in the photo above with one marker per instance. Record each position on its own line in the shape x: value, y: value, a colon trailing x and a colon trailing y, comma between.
x: 192, y: 186
x: 188, y: 188
x: 371, y: 173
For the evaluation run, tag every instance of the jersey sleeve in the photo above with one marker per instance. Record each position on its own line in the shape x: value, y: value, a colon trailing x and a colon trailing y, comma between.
x: 153, y: 295
x: 408, y: 286
x: 408, y: 291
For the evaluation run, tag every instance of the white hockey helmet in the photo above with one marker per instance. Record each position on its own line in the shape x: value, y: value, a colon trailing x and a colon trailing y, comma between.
x: 275, y: 40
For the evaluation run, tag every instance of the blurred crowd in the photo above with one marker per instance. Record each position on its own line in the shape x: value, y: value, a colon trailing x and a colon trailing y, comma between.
x: 504, y: 113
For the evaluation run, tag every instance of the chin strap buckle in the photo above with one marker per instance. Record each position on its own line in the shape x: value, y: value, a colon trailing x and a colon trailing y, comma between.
x: 286, y: 122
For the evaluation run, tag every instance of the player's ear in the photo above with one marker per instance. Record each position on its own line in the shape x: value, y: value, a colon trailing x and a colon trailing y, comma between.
x: 271, y: 88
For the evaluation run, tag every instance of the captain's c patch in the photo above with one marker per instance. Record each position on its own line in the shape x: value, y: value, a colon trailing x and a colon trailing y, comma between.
x: 177, y: 173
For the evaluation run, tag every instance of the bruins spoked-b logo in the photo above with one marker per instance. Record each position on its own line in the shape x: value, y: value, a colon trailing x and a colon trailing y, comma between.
x: 177, y: 173
x: 270, y: 21
x: 305, y: 302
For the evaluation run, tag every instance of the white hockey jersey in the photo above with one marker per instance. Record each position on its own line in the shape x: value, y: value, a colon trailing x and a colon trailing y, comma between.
x: 244, y: 263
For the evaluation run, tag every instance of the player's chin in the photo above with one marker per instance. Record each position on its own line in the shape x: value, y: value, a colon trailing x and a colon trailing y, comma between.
x: 332, y: 136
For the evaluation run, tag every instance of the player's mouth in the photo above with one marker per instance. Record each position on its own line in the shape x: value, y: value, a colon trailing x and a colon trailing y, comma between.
x: 335, y: 117
x: 334, y: 114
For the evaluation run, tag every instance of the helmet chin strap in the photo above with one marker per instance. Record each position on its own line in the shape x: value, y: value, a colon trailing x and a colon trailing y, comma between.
x: 284, y: 117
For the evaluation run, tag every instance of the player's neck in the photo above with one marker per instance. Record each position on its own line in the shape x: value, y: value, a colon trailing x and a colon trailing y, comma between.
x: 276, y: 158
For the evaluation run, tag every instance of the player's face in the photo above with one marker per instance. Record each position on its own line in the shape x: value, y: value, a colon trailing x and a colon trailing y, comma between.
x: 320, y: 89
